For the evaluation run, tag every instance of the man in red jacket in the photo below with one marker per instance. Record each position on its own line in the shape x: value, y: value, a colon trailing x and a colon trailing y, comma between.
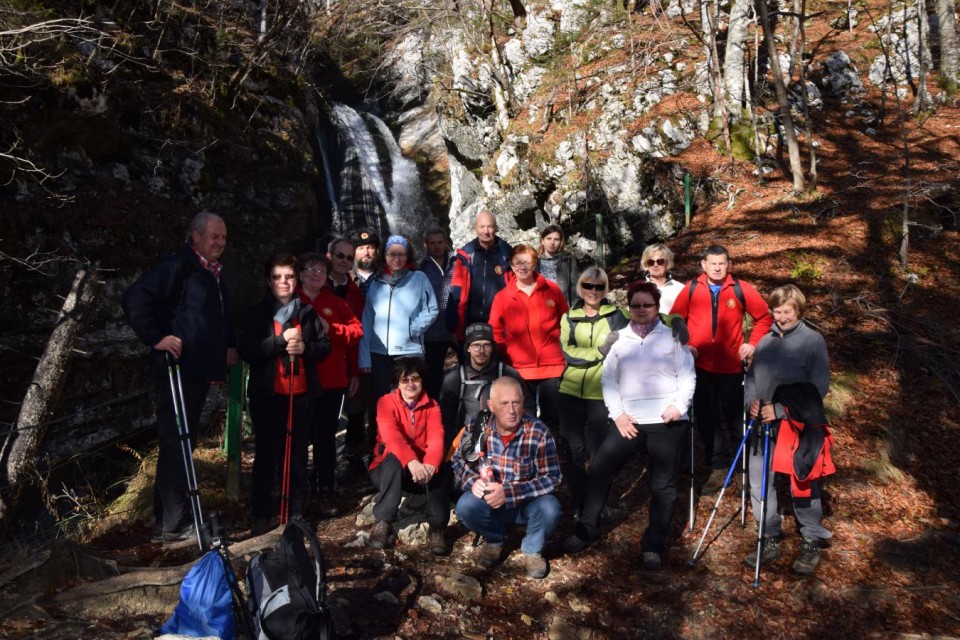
x: 713, y: 306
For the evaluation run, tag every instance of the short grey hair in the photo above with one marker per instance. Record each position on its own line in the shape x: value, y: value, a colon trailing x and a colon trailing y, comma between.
x: 199, y: 223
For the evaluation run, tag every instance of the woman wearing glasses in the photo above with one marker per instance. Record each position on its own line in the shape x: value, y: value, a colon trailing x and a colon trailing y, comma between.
x: 657, y: 261
x: 408, y: 456
x: 586, y: 334
x: 525, y: 316
x: 282, y: 341
x: 648, y: 381
x: 400, y: 307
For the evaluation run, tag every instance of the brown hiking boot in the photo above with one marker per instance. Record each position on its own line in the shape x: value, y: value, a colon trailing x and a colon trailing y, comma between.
x: 808, y: 560
x: 536, y: 565
x: 714, y: 483
x: 489, y: 555
x: 437, y: 541
x: 380, y: 535
x: 769, y: 552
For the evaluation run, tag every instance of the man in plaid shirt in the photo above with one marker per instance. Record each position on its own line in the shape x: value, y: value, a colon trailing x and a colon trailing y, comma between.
x: 525, y: 476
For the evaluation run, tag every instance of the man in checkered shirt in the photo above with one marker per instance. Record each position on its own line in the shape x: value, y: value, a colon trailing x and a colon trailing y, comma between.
x: 522, y: 487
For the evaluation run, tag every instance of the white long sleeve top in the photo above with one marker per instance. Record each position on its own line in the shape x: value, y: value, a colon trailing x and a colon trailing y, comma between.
x: 643, y: 376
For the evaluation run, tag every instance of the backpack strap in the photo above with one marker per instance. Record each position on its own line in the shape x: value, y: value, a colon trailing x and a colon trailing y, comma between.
x: 737, y: 291
x: 307, y: 532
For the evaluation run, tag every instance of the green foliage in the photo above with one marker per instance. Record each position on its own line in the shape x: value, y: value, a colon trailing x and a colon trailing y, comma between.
x: 807, y: 268
x: 949, y: 87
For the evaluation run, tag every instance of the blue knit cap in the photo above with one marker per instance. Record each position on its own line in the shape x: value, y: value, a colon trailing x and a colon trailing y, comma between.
x: 397, y: 240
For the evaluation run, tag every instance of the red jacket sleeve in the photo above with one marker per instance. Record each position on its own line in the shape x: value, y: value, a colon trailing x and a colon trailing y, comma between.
x: 758, y: 310
x: 346, y: 329
x: 435, y: 439
x: 392, y: 428
x: 497, y: 321
x: 681, y: 305
x: 457, y: 298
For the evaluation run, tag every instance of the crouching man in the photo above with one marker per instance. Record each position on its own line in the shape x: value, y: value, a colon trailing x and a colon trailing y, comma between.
x: 512, y: 482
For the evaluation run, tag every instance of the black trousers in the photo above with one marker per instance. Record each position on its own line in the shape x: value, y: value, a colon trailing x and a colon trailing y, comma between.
x: 435, y: 353
x: 546, y: 392
x: 269, y: 415
x: 583, y: 426
x: 361, y: 410
x: 663, y: 443
x: 324, y: 437
x: 392, y: 480
x: 170, y: 486
x: 716, y: 393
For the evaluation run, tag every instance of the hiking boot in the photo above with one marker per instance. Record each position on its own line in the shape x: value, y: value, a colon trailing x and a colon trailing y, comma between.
x: 185, y: 532
x: 261, y: 526
x: 714, y: 483
x: 325, y: 503
x: 652, y: 561
x: 576, y: 544
x: 380, y: 535
x: 806, y: 563
x: 536, y: 565
x: 489, y: 555
x: 769, y: 552
x: 437, y: 541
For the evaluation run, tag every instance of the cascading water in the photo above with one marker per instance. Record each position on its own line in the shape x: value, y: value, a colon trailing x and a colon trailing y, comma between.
x: 379, y: 187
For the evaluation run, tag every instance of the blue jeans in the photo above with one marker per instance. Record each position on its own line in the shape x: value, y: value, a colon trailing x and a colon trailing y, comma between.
x: 541, y: 515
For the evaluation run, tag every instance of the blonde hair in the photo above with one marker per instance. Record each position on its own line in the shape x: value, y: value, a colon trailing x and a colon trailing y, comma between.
x: 657, y: 248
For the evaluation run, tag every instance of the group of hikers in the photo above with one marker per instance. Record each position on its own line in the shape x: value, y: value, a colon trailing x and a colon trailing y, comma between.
x: 554, y: 382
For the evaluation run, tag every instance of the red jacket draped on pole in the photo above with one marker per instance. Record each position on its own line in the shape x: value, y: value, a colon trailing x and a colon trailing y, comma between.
x: 409, y: 435
x: 717, y: 338
x: 527, y: 328
x: 344, y: 333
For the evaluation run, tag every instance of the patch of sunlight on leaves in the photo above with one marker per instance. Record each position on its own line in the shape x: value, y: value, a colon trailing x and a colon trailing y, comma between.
x: 883, y: 469
x: 842, y: 393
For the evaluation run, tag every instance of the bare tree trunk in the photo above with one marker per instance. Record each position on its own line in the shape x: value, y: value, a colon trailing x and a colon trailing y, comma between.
x: 734, y: 69
x: 922, y: 101
x: 949, y: 47
x: 800, y: 27
x: 786, y: 119
x: 709, y: 31
x: 17, y: 461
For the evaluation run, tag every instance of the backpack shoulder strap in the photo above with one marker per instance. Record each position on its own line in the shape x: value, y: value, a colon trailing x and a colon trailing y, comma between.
x: 738, y: 291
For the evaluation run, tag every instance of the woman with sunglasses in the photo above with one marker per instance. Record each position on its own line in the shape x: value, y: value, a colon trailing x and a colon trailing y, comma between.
x: 657, y: 261
x: 408, y: 456
x: 555, y: 264
x: 282, y: 341
x: 400, y: 307
x: 648, y: 381
x: 586, y: 334
x: 525, y: 316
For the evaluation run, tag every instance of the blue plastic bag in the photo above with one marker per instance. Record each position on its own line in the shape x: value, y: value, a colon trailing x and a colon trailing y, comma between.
x: 206, y: 602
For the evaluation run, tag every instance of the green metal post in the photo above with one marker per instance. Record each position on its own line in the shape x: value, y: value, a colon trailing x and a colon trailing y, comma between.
x: 686, y: 200
x: 233, y: 438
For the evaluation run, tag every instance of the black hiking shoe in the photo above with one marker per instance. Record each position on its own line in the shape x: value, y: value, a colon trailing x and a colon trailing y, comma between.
x: 769, y: 552
x: 714, y: 483
x: 380, y: 535
x: 576, y: 544
x: 806, y: 563
x: 437, y: 541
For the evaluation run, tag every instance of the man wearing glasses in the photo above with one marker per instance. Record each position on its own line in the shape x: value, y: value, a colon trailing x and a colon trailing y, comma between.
x: 466, y: 388
x: 481, y: 270
x: 714, y: 306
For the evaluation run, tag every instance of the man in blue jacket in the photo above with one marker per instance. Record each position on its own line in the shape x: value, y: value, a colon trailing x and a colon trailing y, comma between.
x: 181, y: 308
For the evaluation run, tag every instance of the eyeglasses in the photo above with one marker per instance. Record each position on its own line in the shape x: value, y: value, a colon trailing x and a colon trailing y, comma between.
x: 343, y: 256
x: 590, y: 286
x: 480, y: 346
x: 393, y: 255
x: 657, y: 261
x: 643, y: 305
x: 413, y: 378
x: 277, y: 277
x: 522, y: 265
x: 314, y: 271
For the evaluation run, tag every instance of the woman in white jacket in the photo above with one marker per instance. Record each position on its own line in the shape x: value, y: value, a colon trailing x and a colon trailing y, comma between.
x: 648, y: 381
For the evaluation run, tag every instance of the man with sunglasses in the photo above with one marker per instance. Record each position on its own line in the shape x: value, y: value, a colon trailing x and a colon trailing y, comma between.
x: 714, y: 306
x: 466, y: 388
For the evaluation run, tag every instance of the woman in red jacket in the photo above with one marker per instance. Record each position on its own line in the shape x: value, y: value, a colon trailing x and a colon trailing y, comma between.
x: 526, y: 317
x: 409, y: 455
x: 344, y: 330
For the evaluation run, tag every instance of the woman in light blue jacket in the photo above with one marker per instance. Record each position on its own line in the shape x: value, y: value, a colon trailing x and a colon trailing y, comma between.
x: 400, y: 307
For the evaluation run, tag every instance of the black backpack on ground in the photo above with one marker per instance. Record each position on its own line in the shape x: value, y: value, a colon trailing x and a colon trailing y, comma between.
x: 287, y: 589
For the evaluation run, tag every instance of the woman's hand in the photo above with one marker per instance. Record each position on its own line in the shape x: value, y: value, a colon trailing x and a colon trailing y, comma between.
x: 293, y: 333
x: 670, y: 414
x: 625, y: 425
x: 754, y: 409
x: 296, y: 347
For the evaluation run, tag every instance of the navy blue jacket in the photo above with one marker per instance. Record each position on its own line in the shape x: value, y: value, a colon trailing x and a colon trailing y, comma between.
x: 179, y: 297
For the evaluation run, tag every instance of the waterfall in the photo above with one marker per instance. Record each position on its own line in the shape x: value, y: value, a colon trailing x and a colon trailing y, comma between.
x: 379, y: 187
x: 337, y: 217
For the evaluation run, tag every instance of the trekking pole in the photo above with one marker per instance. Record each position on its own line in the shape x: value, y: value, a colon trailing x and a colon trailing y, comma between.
x: 692, y: 512
x: 186, y: 447
x: 743, y: 466
x: 763, y: 503
x: 288, y: 445
x: 726, y: 483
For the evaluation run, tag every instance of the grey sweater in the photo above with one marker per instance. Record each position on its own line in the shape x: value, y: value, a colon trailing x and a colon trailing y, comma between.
x: 799, y: 355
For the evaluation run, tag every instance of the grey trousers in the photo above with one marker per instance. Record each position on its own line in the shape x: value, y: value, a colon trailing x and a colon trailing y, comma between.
x: 807, y: 510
